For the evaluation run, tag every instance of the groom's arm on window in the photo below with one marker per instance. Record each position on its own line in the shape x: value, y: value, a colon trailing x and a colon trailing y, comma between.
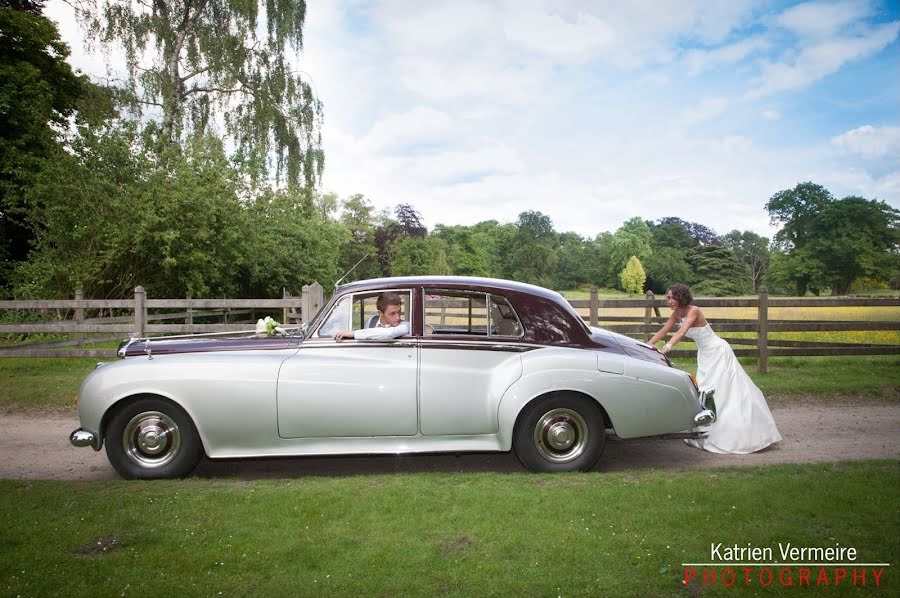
x: 375, y: 334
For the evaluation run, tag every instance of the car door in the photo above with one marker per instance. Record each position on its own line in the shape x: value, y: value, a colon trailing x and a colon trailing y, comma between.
x: 469, y: 358
x: 350, y: 388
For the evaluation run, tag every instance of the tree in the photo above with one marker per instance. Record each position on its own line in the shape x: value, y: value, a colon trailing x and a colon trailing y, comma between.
x: 751, y: 250
x: 465, y: 254
x: 666, y: 267
x: 674, y: 235
x: 717, y: 271
x: 633, y: 277
x: 410, y: 220
x: 533, y: 249
x: 828, y: 241
x: 796, y: 210
x: 631, y: 239
x: 855, y: 237
x: 39, y: 93
x: 602, y: 272
x: 111, y: 215
x: 575, y: 256
x: 497, y: 241
x: 206, y: 58
x: 358, y: 218
x: 702, y: 235
x: 414, y: 256
x: 390, y: 232
x: 289, y: 245
x: 786, y: 271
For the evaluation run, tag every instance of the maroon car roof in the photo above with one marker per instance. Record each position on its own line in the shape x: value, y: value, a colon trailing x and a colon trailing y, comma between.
x: 547, y: 316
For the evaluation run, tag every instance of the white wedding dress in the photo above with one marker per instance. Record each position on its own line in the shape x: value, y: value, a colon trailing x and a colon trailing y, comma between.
x: 743, y: 423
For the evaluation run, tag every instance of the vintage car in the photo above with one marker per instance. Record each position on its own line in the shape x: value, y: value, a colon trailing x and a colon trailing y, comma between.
x: 490, y: 365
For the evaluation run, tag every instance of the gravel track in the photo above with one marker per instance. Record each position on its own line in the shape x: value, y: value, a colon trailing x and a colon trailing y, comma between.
x: 37, y: 447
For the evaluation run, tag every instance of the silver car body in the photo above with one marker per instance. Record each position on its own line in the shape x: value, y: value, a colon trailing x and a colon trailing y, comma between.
x: 420, y: 393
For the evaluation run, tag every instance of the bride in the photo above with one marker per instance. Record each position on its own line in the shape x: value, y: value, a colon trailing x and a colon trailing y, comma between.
x: 743, y: 423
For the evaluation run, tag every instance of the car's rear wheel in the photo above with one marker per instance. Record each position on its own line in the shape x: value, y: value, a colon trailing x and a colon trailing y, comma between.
x: 564, y: 432
x: 152, y: 438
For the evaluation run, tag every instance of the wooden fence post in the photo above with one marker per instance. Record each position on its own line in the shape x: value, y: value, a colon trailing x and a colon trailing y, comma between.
x: 189, y: 320
x: 648, y: 310
x: 763, y: 330
x: 310, y: 301
x: 594, y: 307
x: 140, y: 312
x: 79, y: 322
x: 286, y: 311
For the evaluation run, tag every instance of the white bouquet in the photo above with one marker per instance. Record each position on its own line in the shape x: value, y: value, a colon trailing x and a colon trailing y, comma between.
x: 268, y: 327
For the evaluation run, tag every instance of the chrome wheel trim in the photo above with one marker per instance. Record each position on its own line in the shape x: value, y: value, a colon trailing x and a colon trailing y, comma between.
x: 151, y: 439
x: 560, y: 435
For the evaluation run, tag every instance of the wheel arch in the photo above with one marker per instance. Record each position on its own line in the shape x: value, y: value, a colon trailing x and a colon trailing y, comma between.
x: 607, y: 423
x: 517, y: 399
x: 123, y: 402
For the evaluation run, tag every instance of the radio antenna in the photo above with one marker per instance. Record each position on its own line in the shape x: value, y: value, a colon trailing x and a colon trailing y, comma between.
x: 341, y: 279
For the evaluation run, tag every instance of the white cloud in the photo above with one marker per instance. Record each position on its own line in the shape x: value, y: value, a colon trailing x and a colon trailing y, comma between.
x: 707, y: 108
x: 823, y: 19
x: 821, y: 59
x: 550, y: 34
x: 771, y: 114
x: 870, y: 142
x: 699, y: 61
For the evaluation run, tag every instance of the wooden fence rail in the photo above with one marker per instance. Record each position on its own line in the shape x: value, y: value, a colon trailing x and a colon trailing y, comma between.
x: 145, y: 319
x: 235, y: 315
x: 644, y: 327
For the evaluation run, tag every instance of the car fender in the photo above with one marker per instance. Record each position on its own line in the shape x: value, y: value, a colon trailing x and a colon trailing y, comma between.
x: 644, y: 400
x: 194, y: 383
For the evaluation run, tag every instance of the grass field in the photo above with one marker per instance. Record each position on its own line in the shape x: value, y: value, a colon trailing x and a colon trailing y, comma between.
x: 435, y: 534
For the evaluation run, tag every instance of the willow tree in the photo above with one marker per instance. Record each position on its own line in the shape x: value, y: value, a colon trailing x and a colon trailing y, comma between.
x: 192, y: 62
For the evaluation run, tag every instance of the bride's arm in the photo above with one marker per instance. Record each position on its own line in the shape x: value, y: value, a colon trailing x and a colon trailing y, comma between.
x: 689, y: 320
x: 663, y: 331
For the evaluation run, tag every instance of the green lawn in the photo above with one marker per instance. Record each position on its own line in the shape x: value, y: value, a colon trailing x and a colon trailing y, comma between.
x: 41, y: 383
x: 822, y: 378
x: 435, y: 534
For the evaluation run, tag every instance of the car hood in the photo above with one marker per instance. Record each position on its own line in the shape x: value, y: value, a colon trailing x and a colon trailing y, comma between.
x: 629, y: 346
x: 199, y: 344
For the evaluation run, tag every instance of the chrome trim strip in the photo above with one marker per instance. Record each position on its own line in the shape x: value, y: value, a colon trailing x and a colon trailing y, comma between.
x: 480, y: 346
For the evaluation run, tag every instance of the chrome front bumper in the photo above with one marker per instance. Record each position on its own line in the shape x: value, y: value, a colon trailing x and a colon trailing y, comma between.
x: 81, y: 437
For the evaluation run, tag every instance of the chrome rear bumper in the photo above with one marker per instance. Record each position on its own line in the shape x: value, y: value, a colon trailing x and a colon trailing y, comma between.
x: 705, y: 417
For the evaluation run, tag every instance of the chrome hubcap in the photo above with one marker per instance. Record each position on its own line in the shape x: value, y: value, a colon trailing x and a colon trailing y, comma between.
x: 561, y: 435
x: 151, y: 439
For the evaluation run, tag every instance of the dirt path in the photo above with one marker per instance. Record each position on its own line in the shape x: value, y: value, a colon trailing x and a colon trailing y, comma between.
x: 37, y: 447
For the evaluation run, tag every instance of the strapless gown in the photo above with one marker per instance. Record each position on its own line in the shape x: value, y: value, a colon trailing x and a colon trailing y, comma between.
x: 743, y: 423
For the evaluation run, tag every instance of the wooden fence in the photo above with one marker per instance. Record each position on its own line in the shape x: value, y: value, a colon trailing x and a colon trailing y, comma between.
x: 643, y: 327
x: 143, y: 317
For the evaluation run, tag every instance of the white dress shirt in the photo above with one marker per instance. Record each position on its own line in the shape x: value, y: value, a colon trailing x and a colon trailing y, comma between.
x: 381, y: 332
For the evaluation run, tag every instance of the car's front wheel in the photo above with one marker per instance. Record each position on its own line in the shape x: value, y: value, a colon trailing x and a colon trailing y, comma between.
x: 152, y: 438
x: 564, y: 432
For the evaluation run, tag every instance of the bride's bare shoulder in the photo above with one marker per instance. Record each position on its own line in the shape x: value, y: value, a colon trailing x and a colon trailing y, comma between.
x: 699, y: 318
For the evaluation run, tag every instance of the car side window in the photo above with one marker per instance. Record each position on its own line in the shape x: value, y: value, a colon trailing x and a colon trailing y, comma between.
x: 455, y: 312
x: 360, y: 310
x: 504, y: 321
x: 338, y: 319
x: 471, y: 313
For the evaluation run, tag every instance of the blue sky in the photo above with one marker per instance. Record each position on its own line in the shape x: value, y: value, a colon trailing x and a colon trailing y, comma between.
x: 596, y: 112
